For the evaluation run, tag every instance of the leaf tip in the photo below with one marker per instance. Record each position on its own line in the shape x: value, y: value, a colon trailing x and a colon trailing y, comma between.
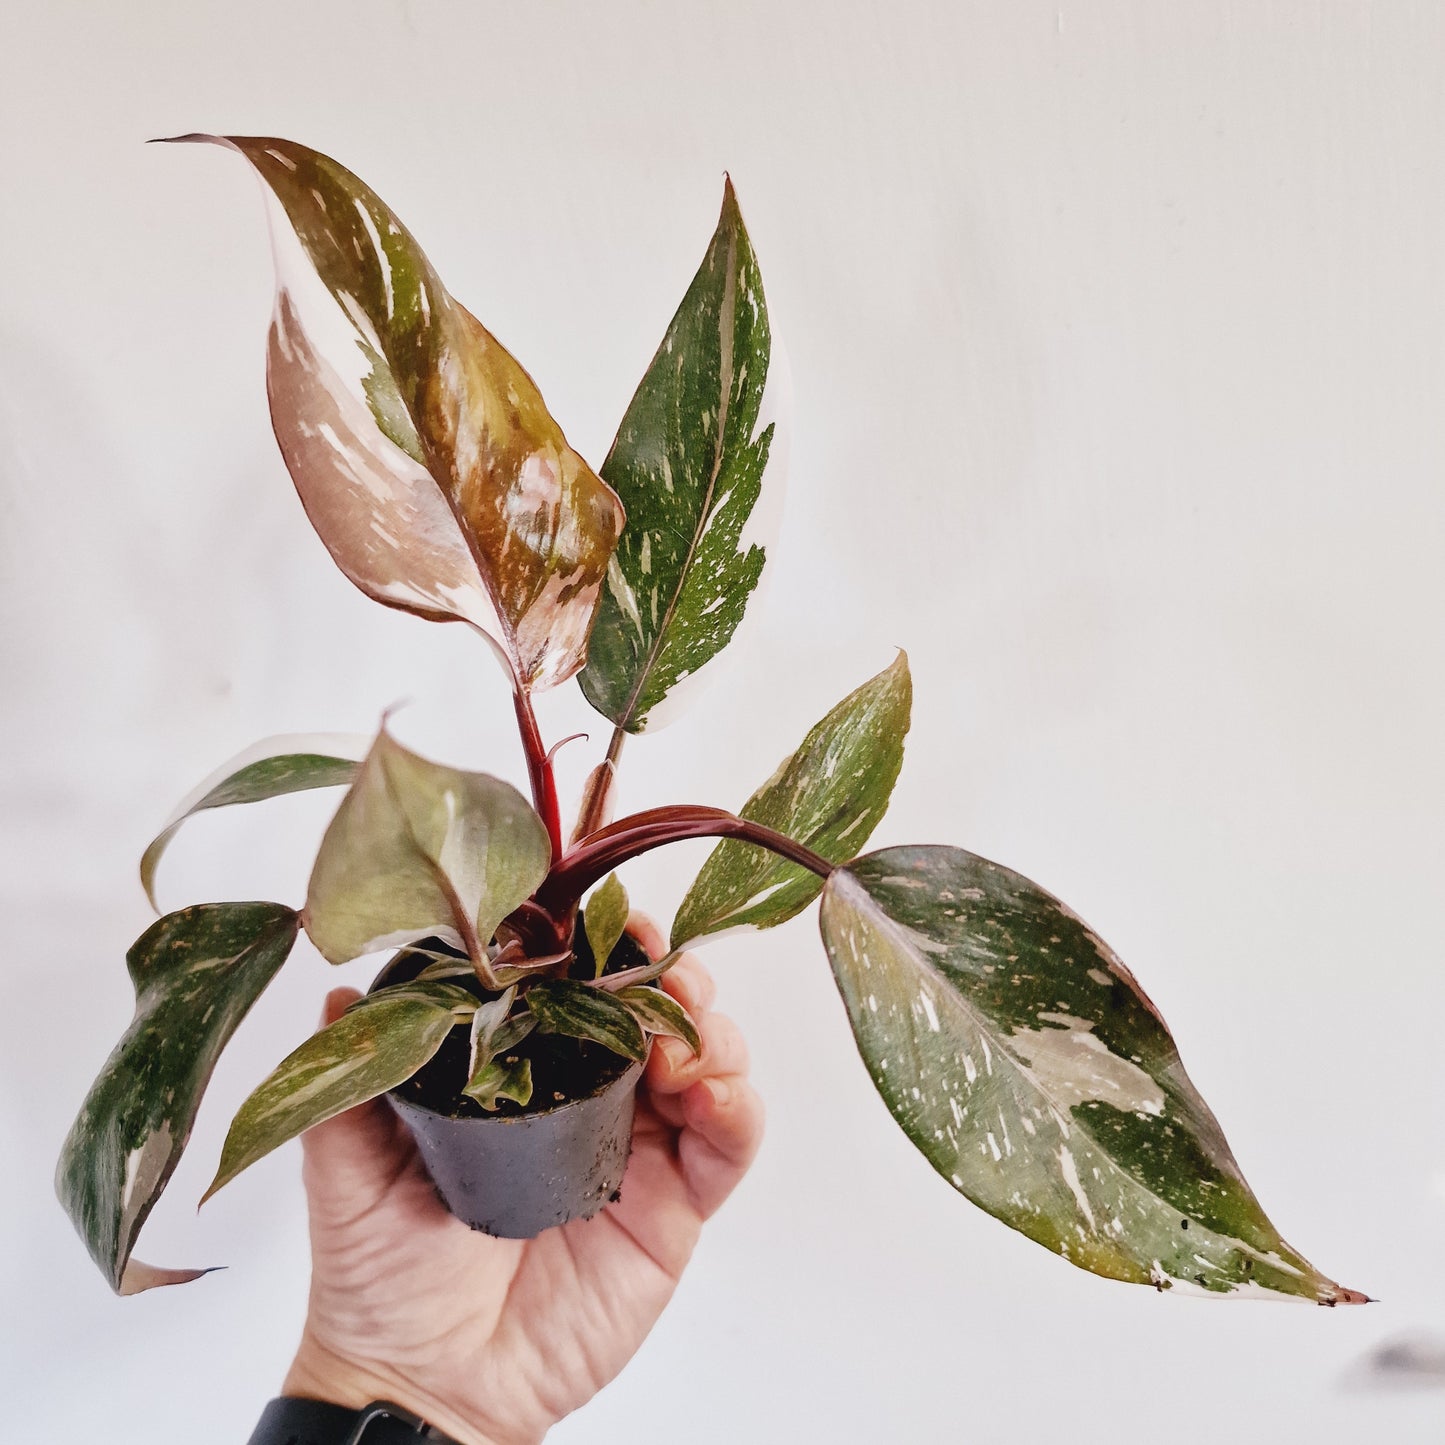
x: 732, y: 213
x: 137, y: 1277
x: 214, y: 1187
x: 192, y: 137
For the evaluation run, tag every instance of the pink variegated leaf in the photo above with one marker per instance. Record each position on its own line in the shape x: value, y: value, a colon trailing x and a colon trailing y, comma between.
x: 423, y: 452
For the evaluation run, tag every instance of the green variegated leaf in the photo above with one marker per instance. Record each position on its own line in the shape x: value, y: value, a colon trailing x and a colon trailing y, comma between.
x: 423, y: 453
x: 364, y: 1053
x: 1021, y: 1057
x: 563, y: 1006
x: 445, y: 966
x: 460, y: 1001
x: 270, y: 768
x: 660, y: 1013
x: 418, y: 849
x: 196, y: 973
x: 830, y: 795
x: 605, y: 919
x: 495, y: 1029
x: 495, y: 1081
x: 698, y: 462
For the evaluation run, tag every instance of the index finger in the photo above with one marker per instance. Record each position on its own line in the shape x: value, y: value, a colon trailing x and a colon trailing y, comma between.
x: 688, y: 981
x: 648, y: 934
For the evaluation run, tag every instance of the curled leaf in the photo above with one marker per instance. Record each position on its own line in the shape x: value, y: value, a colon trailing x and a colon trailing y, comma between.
x: 423, y: 452
x: 495, y: 1029
x: 268, y: 769
x: 1023, y: 1060
x: 196, y: 974
x: 497, y: 1080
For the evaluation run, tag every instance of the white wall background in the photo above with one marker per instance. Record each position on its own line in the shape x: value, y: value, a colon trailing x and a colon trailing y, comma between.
x: 1118, y: 332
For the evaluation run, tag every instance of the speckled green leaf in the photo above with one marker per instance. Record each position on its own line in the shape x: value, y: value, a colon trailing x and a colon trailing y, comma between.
x: 270, y: 768
x: 1021, y: 1057
x: 196, y: 973
x: 364, y: 1053
x: 566, y: 1007
x: 419, y: 849
x: 698, y: 463
x: 660, y: 1013
x: 423, y: 453
x: 830, y: 795
x: 605, y: 919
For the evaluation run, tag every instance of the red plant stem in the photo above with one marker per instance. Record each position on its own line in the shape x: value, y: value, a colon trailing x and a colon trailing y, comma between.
x: 599, y: 854
x: 538, y: 931
x: 539, y: 770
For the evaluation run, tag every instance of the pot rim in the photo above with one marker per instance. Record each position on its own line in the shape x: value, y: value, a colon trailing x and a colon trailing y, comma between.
x: 631, y: 1075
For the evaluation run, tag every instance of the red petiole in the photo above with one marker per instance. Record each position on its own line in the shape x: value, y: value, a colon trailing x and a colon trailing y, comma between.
x: 545, y: 923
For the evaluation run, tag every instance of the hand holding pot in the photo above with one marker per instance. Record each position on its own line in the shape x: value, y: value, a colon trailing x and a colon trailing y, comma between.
x: 494, y: 1340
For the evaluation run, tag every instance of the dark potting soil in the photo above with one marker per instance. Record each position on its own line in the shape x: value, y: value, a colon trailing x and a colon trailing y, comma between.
x: 563, y: 1069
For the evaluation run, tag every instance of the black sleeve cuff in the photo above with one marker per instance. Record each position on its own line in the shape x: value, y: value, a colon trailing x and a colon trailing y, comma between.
x: 291, y: 1421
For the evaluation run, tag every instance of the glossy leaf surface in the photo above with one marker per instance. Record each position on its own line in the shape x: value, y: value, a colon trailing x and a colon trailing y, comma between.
x: 196, y: 973
x: 605, y: 919
x: 566, y: 1007
x: 417, y: 849
x: 660, y: 1013
x: 1021, y: 1057
x: 364, y: 1053
x: 830, y: 795
x: 423, y: 452
x: 698, y: 462
x: 269, y: 769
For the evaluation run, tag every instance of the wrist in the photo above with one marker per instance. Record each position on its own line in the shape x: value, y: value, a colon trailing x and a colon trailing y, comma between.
x: 318, y: 1374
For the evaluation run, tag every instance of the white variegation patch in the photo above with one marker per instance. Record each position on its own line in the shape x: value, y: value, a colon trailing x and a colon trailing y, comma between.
x: 196, y: 972
x: 422, y: 452
x: 1103, y: 1153
x: 762, y: 528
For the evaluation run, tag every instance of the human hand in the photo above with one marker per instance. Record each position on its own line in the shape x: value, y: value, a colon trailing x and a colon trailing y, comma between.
x: 495, y: 1340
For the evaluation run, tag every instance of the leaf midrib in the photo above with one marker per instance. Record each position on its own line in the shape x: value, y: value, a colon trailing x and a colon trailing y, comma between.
x: 726, y: 333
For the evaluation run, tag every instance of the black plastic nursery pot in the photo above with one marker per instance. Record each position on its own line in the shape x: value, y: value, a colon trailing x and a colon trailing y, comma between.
x: 520, y: 1170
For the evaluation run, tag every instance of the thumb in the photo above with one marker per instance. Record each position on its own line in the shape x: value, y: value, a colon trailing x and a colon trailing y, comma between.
x: 350, y: 1161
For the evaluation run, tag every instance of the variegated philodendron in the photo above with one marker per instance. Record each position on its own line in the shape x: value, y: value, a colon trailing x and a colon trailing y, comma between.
x: 1011, y: 1046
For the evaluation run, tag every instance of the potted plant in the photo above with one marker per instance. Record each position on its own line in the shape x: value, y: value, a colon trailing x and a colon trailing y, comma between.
x: 1012, y: 1047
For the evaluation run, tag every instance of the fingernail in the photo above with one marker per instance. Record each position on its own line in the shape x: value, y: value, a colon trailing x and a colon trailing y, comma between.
x: 675, y: 1052
x: 721, y: 1092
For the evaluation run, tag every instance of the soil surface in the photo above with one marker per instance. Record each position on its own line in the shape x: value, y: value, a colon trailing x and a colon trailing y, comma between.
x: 563, y: 1069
